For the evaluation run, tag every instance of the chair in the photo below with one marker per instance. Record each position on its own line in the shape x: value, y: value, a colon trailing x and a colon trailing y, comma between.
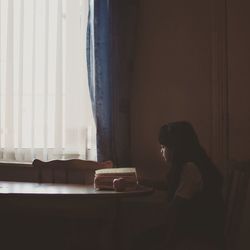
x: 71, y: 230
x: 237, y: 183
x: 73, y: 171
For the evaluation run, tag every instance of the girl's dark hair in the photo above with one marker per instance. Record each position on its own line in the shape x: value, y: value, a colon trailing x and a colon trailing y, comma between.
x: 181, y: 139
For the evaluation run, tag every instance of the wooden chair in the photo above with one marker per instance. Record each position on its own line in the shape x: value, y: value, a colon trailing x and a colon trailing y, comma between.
x: 73, y: 171
x: 71, y: 230
x: 237, y: 183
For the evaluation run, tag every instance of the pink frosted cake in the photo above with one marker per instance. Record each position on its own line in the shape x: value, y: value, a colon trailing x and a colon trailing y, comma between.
x: 119, y: 179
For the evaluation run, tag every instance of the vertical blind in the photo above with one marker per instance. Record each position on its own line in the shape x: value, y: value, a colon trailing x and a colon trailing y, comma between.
x: 45, y: 106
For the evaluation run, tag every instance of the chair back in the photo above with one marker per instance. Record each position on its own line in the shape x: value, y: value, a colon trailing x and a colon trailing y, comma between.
x: 73, y: 171
x: 237, y: 183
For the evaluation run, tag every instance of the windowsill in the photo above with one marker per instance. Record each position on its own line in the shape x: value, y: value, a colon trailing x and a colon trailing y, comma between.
x: 15, y: 164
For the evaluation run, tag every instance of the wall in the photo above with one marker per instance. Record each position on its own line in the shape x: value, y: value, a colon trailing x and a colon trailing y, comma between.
x: 239, y: 102
x: 239, y: 77
x: 172, y: 75
x: 189, y: 56
x: 183, y: 53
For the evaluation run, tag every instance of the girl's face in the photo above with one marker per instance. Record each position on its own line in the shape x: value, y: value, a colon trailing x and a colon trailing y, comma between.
x: 166, y: 153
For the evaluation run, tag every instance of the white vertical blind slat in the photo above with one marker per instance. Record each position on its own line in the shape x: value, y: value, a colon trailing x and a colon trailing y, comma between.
x: 45, y: 148
x: 9, y: 121
x: 71, y: 75
x: 20, y: 78
x: 0, y: 75
x: 59, y: 82
x: 33, y: 82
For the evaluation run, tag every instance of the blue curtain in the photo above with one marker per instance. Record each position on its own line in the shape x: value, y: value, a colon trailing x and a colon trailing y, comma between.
x: 111, y: 53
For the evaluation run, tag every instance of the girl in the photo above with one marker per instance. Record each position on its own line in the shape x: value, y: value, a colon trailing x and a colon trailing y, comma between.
x: 195, y: 214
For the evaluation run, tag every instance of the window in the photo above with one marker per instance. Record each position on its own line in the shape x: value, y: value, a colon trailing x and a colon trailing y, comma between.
x: 45, y: 106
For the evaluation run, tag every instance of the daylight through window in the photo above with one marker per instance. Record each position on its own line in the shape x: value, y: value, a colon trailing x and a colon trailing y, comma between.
x: 45, y: 106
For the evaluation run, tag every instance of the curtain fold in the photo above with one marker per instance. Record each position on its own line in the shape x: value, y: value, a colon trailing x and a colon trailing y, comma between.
x: 114, y: 26
x: 103, y: 82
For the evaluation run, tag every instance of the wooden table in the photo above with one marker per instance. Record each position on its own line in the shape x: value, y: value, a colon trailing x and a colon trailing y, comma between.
x: 17, y: 189
x: 66, y: 199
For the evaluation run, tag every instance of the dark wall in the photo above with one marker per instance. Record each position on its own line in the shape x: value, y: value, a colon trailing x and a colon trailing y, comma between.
x: 172, y: 74
x: 239, y: 89
x: 175, y: 75
x: 239, y: 77
x: 182, y: 48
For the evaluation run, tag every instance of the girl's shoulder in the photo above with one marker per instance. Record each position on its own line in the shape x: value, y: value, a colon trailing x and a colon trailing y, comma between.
x: 190, y: 171
x: 190, y: 181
